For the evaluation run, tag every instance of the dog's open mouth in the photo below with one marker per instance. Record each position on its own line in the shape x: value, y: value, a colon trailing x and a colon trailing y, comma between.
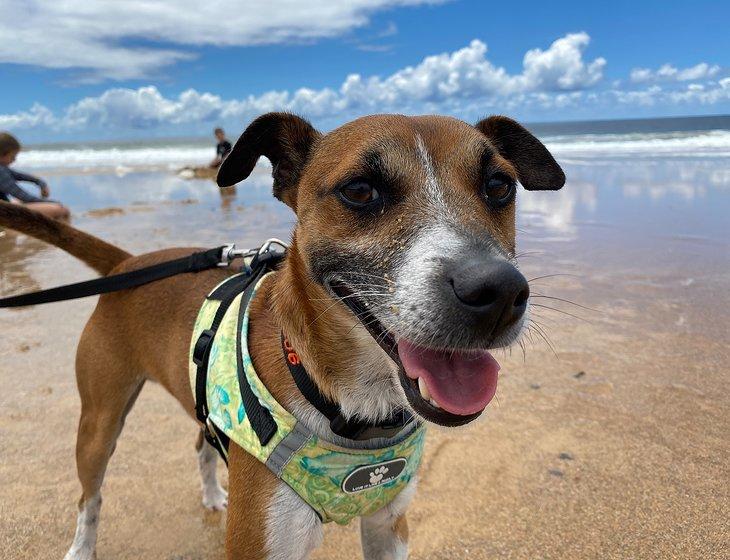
x: 450, y: 387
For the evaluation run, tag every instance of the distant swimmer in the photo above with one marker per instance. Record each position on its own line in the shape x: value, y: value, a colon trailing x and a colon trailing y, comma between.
x: 222, y: 149
x: 9, y: 178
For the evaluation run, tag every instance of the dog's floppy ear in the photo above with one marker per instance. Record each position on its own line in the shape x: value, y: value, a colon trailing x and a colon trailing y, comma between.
x: 285, y: 139
x: 536, y: 167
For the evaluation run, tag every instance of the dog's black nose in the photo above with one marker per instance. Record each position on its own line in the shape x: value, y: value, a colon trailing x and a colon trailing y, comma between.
x: 491, y: 288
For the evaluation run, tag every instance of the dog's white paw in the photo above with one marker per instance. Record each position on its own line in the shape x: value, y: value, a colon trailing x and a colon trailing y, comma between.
x: 215, y: 498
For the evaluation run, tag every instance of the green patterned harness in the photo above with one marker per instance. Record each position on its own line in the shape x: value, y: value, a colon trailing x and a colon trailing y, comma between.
x: 338, y: 482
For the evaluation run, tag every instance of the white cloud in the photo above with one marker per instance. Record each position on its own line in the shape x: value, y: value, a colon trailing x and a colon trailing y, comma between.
x: 709, y: 93
x: 467, y: 73
x: 38, y: 116
x: 142, y: 108
x: 702, y: 94
x: 562, y: 67
x: 554, y: 81
x: 439, y: 81
x: 669, y: 73
x: 94, y: 36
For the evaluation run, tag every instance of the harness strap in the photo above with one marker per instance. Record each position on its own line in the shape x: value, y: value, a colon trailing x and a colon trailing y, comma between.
x: 348, y: 428
x: 259, y: 416
x: 202, y: 260
x: 304, y: 382
x: 218, y: 439
x: 201, y: 351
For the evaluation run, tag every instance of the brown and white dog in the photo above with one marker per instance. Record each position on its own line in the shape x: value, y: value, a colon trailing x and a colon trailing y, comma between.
x: 409, y: 218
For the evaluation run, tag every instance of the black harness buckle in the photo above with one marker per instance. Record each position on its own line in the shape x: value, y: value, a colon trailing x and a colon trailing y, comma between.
x: 201, y: 353
x: 202, y: 347
x: 350, y: 430
x: 357, y: 429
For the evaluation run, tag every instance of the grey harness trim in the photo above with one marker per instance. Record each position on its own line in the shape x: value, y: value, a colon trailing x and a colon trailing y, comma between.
x: 287, y: 448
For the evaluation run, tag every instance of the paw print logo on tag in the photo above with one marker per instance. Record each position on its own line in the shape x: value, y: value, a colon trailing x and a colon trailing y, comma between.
x: 377, y: 475
x: 373, y: 476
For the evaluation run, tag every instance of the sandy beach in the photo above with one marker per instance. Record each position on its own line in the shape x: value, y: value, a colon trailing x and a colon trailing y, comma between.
x: 608, y: 440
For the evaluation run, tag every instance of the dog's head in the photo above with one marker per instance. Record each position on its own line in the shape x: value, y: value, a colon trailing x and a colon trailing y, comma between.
x: 408, y: 224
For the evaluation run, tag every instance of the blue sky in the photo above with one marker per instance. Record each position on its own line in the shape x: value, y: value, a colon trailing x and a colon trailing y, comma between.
x: 140, y: 68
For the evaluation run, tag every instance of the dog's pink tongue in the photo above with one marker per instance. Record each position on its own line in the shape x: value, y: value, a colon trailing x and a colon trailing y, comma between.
x: 459, y: 382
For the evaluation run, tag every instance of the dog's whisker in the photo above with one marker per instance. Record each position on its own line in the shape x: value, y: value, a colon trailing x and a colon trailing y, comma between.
x: 561, y: 311
x: 553, y: 276
x: 352, y: 296
x: 534, y: 322
x: 524, y: 254
x: 356, y: 275
x: 538, y: 295
x: 333, y: 304
x: 539, y: 327
x: 542, y: 335
x: 528, y: 332
x: 524, y: 353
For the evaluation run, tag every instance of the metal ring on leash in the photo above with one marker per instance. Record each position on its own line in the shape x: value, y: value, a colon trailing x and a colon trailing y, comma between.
x: 229, y: 251
x: 273, y: 241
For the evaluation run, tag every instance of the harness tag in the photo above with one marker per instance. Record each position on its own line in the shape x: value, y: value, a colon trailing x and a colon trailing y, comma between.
x: 370, y: 476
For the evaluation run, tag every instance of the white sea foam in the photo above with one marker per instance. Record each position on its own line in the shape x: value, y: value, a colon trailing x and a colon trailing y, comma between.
x: 123, y: 158
x: 713, y: 143
x: 77, y: 158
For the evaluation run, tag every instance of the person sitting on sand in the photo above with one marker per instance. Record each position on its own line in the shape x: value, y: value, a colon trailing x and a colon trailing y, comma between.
x: 222, y: 149
x: 9, y: 148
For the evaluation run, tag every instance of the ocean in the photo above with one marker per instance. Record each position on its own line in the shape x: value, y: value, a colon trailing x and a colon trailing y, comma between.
x: 636, y: 138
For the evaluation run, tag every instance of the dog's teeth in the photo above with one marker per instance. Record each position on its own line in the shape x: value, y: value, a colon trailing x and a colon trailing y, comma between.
x: 433, y: 403
x: 424, y: 389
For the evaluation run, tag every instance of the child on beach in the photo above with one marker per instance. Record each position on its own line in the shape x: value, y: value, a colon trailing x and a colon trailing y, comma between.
x: 222, y: 149
x: 9, y: 148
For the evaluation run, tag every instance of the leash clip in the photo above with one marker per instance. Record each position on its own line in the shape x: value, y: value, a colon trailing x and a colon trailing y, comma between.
x: 273, y: 241
x: 265, y: 252
x: 252, y: 257
x: 229, y: 253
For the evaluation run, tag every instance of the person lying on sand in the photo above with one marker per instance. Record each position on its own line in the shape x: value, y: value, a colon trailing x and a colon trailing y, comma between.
x: 9, y: 148
x: 222, y: 149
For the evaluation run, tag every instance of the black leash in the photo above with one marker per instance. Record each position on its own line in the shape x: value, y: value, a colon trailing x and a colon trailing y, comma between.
x: 197, y: 262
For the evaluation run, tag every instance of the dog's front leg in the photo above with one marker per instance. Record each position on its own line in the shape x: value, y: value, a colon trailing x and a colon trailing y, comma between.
x: 267, y: 520
x: 214, y: 496
x: 384, y: 534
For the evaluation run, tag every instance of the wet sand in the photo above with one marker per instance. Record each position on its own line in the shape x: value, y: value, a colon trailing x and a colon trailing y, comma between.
x: 613, y: 444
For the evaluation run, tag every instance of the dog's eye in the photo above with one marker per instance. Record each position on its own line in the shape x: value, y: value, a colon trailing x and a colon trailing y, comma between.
x: 359, y: 193
x: 499, y: 190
